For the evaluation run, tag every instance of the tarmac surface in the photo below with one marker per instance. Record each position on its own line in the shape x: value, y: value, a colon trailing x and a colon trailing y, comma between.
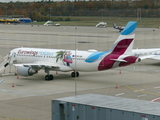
x: 29, y: 98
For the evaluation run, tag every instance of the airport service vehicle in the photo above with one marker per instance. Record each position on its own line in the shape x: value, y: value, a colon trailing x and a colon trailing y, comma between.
x: 120, y: 28
x: 101, y: 24
x: 50, y: 23
x: 30, y: 60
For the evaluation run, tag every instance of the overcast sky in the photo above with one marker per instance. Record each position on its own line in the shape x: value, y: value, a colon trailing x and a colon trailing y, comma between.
x: 18, y: 0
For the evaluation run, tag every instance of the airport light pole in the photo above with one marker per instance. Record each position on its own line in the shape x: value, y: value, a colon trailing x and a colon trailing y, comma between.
x: 102, y: 10
x: 75, y: 62
x: 50, y: 13
x: 138, y: 13
x: 6, y: 10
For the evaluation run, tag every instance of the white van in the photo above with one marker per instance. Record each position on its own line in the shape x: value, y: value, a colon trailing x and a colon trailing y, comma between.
x: 101, y: 24
x: 48, y: 23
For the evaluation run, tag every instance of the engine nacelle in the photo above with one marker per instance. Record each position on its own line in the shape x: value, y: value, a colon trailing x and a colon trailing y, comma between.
x: 26, y: 71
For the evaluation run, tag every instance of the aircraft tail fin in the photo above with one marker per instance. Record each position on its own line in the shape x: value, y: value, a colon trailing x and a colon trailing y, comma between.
x: 121, y: 52
x: 124, y: 42
x: 114, y: 25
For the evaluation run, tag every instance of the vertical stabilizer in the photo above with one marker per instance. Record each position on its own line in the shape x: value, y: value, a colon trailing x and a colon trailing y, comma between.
x: 124, y: 43
x: 114, y: 25
x: 121, y: 52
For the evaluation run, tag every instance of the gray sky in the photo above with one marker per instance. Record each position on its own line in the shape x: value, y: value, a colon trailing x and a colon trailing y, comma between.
x: 18, y: 0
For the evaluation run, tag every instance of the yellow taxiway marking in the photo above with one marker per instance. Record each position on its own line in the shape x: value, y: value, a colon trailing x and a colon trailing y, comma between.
x: 12, y: 119
x: 142, y: 91
x: 120, y: 85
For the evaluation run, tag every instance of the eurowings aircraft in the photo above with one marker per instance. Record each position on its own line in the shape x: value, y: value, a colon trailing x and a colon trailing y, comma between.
x: 31, y: 60
x: 120, y: 28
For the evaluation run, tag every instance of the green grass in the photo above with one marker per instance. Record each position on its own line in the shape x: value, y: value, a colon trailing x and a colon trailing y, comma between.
x: 121, y: 21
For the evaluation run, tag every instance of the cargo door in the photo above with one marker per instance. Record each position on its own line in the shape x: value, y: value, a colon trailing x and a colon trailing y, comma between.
x: 73, y: 111
x: 62, y: 110
x: 156, y: 118
x: 91, y: 113
x: 82, y: 112
x: 55, y: 110
x: 147, y: 117
x: 137, y: 116
x: 128, y: 115
x: 116, y: 115
x: 102, y: 114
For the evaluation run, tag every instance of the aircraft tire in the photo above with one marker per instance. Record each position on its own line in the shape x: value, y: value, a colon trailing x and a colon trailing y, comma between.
x: 77, y: 74
x: 73, y: 74
x: 49, y: 77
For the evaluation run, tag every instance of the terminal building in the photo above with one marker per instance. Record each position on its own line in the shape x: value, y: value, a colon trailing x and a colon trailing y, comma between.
x: 101, y: 107
x: 14, y: 19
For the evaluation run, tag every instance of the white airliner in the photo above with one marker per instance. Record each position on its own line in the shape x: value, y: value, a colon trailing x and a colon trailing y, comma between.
x: 152, y: 53
x: 31, y: 60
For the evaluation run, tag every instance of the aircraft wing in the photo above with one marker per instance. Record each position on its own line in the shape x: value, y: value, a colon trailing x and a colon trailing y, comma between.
x: 148, y: 57
x: 49, y: 65
x: 147, y: 53
x: 155, y: 57
x: 39, y: 64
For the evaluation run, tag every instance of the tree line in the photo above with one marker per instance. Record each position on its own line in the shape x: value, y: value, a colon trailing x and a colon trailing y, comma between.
x: 50, y: 10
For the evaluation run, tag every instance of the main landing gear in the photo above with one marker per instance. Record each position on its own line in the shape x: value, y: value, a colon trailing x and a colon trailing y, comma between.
x: 49, y: 77
x: 75, y: 74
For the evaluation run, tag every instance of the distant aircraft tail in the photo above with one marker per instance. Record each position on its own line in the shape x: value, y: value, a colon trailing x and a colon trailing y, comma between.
x: 114, y: 25
x: 120, y: 53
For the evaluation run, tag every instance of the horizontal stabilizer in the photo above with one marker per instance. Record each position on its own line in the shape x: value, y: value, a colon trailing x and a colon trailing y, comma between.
x: 119, y: 60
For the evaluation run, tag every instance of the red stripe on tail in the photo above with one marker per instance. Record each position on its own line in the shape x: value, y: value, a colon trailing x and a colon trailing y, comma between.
x: 122, y: 46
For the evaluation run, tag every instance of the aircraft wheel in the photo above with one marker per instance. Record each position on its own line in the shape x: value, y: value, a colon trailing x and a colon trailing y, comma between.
x: 77, y: 74
x: 49, y: 77
x: 73, y: 74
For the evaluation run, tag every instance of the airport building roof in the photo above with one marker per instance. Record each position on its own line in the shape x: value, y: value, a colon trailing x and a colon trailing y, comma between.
x: 119, y: 103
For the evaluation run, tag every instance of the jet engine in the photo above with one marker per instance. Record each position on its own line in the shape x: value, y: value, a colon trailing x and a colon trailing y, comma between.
x: 26, y: 71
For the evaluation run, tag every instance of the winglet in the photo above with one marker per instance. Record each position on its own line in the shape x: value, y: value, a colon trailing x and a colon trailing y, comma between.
x: 130, y: 28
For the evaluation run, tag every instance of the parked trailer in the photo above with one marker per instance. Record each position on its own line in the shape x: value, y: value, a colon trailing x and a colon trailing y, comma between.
x: 101, y: 107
